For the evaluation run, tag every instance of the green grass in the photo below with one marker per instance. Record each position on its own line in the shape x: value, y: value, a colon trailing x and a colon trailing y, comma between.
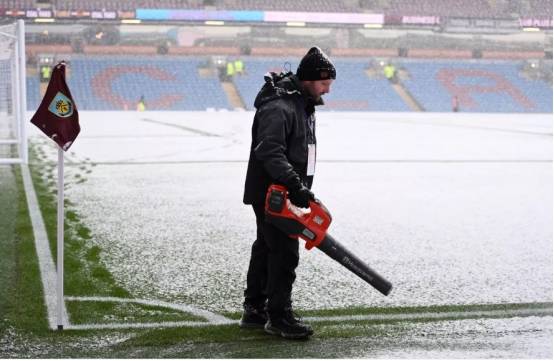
x: 21, y: 295
x: 8, y: 220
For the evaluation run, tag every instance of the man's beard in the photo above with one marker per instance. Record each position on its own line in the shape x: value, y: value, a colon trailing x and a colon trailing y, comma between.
x: 318, y: 100
x: 315, y: 98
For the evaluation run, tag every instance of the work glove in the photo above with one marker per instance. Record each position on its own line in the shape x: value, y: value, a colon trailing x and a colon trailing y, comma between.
x: 301, y: 196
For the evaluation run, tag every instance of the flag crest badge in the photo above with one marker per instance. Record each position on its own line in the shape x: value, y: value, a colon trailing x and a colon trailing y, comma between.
x: 57, y: 115
x: 61, y: 106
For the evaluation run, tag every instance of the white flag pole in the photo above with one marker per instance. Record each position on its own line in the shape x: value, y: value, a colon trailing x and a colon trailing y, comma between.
x: 60, y: 240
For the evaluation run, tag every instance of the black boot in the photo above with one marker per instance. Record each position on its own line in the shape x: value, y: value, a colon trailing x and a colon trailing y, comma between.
x: 288, y: 325
x: 253, y: 317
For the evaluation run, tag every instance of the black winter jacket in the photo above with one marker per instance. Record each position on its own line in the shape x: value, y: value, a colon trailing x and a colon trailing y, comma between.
x: 284, y: 125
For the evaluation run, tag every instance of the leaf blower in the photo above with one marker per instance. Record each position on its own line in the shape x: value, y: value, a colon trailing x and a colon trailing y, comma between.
x: 312, y: 227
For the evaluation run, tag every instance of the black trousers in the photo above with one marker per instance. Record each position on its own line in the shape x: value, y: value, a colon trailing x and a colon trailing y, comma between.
x: 271, y: 271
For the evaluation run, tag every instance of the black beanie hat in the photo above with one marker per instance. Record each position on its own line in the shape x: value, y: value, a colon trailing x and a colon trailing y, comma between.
x: 315, y: 65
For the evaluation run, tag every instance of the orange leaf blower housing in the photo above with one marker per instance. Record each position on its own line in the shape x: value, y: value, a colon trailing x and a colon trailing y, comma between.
x: 312, y: 227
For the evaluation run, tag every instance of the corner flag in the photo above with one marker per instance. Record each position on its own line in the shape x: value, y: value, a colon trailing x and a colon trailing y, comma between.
x: 57, y: 115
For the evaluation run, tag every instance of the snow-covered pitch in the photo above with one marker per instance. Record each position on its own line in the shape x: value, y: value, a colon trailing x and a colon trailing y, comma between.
x: 452, y: 208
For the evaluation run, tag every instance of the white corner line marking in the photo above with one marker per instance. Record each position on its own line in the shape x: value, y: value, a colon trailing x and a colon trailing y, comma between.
x: 42, y: 246
x: 212, y: 318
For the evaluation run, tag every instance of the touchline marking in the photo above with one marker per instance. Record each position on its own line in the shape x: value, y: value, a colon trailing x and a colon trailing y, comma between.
x: 182, y: 127
x: 222, y: 161
x: 45, y: 261
x: 546, y: 131
x: 524, y: 312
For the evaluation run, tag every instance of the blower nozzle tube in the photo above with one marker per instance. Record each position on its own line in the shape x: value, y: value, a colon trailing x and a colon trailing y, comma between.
x: 336, y: 251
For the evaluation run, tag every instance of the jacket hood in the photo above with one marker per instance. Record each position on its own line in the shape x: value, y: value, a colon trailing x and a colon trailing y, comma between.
x: 278, y: 86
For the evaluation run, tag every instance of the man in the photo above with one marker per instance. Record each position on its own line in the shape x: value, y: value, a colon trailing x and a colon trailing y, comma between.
x: 283, y: 152
x: 390, y: 73
x: 141, y: 105
x: 230, y: 70
x: 239, y: 67
x: 455, y: 104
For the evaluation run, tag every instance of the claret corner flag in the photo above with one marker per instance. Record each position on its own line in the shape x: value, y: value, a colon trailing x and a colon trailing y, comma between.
x: 57, y: 115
